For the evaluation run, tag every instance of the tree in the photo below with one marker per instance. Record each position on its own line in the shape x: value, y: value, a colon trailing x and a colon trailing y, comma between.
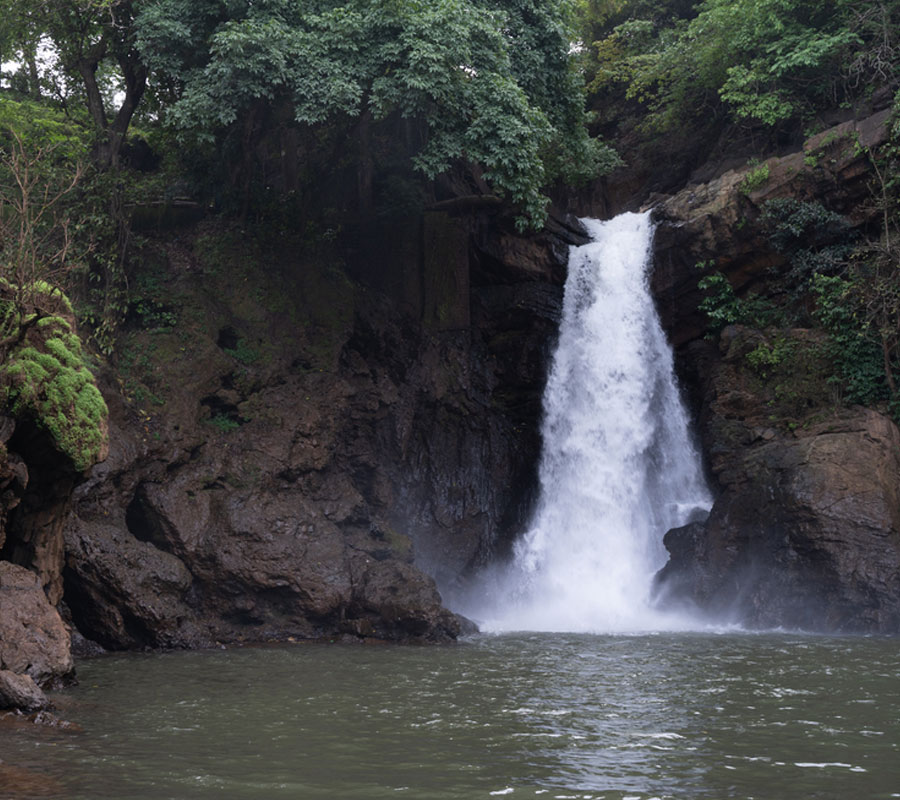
x: 493, y: 81
x: 87, y: 37
x: 41, y: 163
x: 43, y: 374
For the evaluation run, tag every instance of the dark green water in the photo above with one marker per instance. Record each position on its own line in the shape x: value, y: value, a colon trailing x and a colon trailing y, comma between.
x: 533, y: 715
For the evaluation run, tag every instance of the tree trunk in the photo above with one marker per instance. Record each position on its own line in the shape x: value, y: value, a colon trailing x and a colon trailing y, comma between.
x: 135, y: 83
x: 365, y: 175
x: 249, y: 141
x: 87, y: 68
x: 29, y: 56
x: 112, y: 136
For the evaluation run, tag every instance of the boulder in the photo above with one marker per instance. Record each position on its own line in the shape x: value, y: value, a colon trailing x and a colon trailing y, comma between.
x: 21, y: 692
x: 33, y: 639
x: 402, y: 603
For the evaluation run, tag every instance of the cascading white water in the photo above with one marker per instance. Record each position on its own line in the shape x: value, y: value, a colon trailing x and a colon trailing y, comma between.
x: 618, y: 468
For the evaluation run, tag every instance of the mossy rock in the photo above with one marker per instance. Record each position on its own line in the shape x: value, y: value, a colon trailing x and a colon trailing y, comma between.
x: 45, y: 378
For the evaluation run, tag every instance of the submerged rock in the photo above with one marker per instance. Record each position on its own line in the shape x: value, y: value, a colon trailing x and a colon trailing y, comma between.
x: 18, y: 782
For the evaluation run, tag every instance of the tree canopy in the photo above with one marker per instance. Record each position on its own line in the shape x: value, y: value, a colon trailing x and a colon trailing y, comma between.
x: 765, y: 62
x: 494, y: 82
x: 92, y: 44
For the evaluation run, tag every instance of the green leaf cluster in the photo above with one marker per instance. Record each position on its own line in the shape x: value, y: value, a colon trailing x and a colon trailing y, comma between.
x: 844, y: 284
x: 756, y: 178
x: 722, y: 306
x: 41, y: 127
x: 816, y: 240
x: 854, y: 351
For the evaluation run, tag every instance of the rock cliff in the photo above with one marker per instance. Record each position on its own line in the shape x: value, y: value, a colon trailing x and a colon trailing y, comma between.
x: 308, y: 440
x: 302, y: 437
x: 805, y: 531
x: 300, y: 451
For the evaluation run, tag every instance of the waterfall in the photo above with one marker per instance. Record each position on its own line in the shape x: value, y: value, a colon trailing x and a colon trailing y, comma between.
x: 618, y: 467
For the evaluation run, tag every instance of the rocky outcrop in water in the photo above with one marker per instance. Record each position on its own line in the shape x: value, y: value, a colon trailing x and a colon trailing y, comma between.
x: 805, y: 531
x: 52, y: 429
x: 19, y: 691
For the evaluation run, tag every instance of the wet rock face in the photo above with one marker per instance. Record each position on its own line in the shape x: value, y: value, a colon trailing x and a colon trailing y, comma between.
x: 33, y: 639
x: 13, y: 476
x: 319, y: 448
x: 805, y: 532
x: 717, y: 223
x: 809, y: 539
x: 254, y: 535
x: 43, y: 483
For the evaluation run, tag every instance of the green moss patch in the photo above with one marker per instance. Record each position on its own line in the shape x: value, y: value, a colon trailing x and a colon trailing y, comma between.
x: 46, y: 378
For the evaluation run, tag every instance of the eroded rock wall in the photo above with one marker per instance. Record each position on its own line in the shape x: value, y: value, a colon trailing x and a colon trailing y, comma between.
x: 300, y: 453
x: 804, y: 531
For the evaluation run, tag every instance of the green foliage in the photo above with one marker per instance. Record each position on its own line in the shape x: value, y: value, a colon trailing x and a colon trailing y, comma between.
x: 45, y: 378
x: 815, y: 240
x: 723, y: 307
x: 42, y: 127
x: 854, y: 351
x: 797, y: 224
x: 148, y: 304
x: 764, y: 61
x: 493, y: 82
x: 790, y: 370
x: 152, y: 313
x: 757, y: 177
x: 95, y: 70
x: 243, y: 352
x: 59, y: 219
x: 766, y: 357
x: 223, y: 423
x: 39, y: 172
